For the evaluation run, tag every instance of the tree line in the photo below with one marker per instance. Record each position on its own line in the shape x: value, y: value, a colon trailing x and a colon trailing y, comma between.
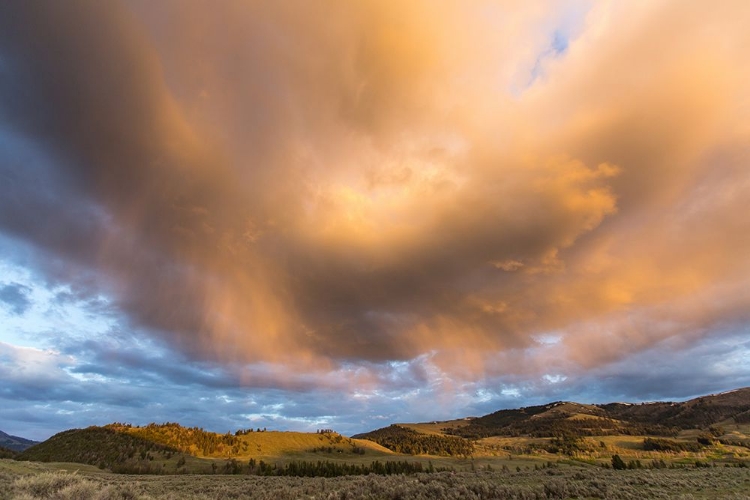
x: 556, y: 426
x: 192, y: 440
x: 324, y: 468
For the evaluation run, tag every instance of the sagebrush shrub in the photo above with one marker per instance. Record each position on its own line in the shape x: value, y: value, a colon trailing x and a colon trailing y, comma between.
x: 44, y: 484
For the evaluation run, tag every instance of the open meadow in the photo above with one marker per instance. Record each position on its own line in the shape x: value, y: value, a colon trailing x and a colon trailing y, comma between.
x: 26, y: 481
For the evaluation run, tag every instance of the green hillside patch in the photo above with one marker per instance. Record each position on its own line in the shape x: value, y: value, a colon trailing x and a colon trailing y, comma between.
x: 403, y: 440
x: 437, y: 427
x: 670, y: 445
x: 702, y: 412
x: 104, y: 448
x: 552, y: 420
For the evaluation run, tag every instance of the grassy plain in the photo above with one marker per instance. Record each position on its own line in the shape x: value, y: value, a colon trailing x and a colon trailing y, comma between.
x: 28, y: 480
x: 437, y: 427
x: 599, y: 450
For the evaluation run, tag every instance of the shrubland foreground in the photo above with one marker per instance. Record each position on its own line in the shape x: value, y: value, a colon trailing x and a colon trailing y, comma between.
x: 26, y: 481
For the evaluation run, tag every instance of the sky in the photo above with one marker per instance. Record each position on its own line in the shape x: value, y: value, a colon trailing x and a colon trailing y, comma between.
x: 335, y: 214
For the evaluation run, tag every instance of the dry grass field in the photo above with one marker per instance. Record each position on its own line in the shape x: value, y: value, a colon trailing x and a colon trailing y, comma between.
x: 27, y: 481
x: 436, y: 427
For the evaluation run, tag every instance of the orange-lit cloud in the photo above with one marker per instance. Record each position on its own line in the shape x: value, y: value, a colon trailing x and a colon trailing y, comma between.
x: 320, y: 186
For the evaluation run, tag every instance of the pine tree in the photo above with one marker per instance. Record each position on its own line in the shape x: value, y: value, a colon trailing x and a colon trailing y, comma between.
x: 618, y: 463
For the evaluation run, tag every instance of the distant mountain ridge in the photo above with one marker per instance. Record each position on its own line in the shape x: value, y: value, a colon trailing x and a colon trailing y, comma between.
x: 700, y: 412
x: 15, y: 443
x: 561, y: 418
x: 657, y: 418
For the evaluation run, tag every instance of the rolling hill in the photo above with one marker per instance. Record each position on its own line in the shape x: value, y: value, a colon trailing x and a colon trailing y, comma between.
x: 697, y: 413
x: 102, y: 447
x: 400, y: 439
x: 170, y: 448
x: 245, y: 444
x: 718, y: 424
x: 657, y: 419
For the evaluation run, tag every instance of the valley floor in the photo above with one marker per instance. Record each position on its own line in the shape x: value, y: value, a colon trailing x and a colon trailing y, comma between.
x: 29, y: 480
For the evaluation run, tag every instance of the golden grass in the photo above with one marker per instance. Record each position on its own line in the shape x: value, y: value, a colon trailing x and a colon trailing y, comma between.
x: 274, y: 443
x: 265, y: 444
x: 568, y: 407
x: 436, y: 427
x: 586, y: 416
x: 12, y: 466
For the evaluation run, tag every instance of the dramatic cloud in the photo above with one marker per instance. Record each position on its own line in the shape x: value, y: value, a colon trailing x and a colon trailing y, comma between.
x: 375, y: 198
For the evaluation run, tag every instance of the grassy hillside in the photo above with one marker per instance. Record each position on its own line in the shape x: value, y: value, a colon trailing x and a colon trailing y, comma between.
x: 104, y: 448
x: 439, y: 427
x: 701, y: 412
x: 665, y: 419
x: 549, y: 420
x: 409, y: 441
x: 38, y: 481
x: 711, y: 428
x: 249, y: 444
x: 171, y: 448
